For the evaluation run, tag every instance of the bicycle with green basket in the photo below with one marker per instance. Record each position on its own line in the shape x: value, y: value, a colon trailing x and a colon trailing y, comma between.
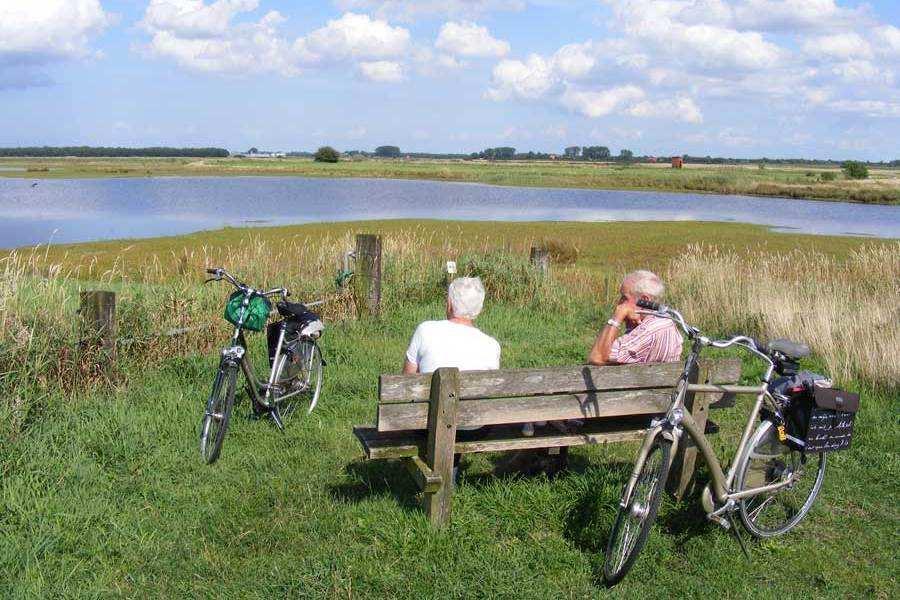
x: 295, y: 361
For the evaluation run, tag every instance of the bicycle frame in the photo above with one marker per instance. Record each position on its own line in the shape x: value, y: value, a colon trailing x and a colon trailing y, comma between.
x: 677, y: 421
x: 237, y: 351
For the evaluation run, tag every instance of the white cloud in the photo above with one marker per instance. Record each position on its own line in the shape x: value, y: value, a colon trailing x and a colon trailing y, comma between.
x: 871, y: 108
x: 530, y: 79
x: 795, y: 15
x: 842, y: 46
x: 888, y: 38
x: 36, y: 33
x: 681, y: 109
x: 244, y: 48
x: 382, y: 71
x: 574, y: 61
x: 598, y: 103
x: 410, y: 10
x: 693, y: 33
x: 469, y: 39
x: 194, y: 18
x: 50, y: 28
x: 354, y: 36
x: 862, y: 71
x: 209, y: 37
x: 431, y: 63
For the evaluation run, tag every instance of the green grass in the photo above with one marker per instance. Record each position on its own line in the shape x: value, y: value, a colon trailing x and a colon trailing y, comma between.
x: 883, y: 187
x: 102, y: 492
x: 104, y: 495
x: 601, y: 246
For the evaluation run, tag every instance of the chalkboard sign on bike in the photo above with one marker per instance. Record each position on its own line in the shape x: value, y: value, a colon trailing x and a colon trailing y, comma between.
x: 295, y: 361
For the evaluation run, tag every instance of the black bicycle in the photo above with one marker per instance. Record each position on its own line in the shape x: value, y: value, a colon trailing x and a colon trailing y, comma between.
x: 295, y: 361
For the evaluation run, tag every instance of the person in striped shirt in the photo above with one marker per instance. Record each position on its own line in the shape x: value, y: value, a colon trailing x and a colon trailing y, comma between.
x: 647, y: 338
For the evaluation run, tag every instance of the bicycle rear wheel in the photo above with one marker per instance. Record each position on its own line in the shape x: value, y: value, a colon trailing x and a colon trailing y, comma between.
x: 769, y: 461
x: 218, y: 412
x: 300, y: 371
x: 637, y: 513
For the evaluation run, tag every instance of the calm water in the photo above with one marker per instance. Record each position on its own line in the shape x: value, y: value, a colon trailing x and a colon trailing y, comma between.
x: 91, y: 209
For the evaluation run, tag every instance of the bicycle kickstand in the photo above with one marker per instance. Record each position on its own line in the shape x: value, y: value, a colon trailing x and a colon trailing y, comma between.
x: 276, y: 416
x: 737, y: 534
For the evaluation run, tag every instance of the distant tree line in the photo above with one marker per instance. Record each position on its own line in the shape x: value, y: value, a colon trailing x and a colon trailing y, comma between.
x: 105, y: 151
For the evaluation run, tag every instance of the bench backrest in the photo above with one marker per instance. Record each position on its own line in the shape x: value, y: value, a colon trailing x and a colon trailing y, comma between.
x: 547, y: 394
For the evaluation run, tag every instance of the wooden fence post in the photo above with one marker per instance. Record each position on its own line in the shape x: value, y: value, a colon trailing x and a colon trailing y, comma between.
x: 367, y: 278
x: 540, y: 258
x: 441, y: 442
x: 682, y: 472
x: 98, y: 321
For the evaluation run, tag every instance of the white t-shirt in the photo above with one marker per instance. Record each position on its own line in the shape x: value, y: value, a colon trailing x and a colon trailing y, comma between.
x: 437, y: 344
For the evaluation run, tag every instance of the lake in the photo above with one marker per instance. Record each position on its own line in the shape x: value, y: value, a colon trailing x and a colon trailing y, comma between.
x: 74, y: 210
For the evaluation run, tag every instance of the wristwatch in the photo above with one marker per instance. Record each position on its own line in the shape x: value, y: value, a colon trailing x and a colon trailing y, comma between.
x: 614, y: 324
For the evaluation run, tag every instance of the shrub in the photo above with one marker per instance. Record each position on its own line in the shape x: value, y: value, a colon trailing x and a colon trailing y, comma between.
x: 827, y: 176
x: 327, y: 154
x: 561, y: 252
x: 854, y: 169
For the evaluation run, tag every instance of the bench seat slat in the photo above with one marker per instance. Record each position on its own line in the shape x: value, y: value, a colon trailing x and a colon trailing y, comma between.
x: 501, y: 438
x: 500, y: 411
x: 532, y: 382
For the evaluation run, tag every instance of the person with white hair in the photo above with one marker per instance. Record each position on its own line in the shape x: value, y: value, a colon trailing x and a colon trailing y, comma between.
x: 455, y: 341
x: 647, y: 338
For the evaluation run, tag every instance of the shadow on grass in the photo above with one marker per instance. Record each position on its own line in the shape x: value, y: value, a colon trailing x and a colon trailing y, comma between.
x: 377, y: 478
x: 526, y: 464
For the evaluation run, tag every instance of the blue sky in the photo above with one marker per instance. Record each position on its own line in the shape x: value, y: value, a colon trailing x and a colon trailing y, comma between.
x: 812, y: 78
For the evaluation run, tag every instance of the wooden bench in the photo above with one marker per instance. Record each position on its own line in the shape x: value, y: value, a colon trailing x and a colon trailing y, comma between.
x: 418, y: 415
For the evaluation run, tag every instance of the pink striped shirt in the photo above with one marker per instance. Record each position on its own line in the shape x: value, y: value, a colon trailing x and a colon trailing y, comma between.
x: 654, y: 340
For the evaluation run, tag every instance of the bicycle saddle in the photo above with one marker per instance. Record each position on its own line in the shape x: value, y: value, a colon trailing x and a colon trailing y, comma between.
x: 295, y: 310
x: 794, y: 350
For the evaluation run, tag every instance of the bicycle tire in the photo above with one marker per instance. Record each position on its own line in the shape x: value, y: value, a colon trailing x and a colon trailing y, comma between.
x: 765, y: 462
x: 636, y: 517
x: 214, y: 424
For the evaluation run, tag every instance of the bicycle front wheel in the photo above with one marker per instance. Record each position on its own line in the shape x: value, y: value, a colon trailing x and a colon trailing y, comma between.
x: 768, y: 461
x: 218, y: 411
x: 301, y: 370
x: 637, y: 513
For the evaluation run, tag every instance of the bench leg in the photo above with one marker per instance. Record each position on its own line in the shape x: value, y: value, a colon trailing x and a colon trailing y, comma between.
x: 682, y: 472
x: 441, y: 442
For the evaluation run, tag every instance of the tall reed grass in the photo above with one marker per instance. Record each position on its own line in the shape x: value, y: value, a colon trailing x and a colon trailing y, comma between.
x: 847, y: 310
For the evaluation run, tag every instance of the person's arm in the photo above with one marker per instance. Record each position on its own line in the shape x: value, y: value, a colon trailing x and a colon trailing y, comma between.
x: 600, y: 351
x: 410, y: 363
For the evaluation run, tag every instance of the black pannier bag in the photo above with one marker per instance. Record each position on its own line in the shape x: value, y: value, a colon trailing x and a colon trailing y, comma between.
x: 297, y: 320
x: 819, y: 419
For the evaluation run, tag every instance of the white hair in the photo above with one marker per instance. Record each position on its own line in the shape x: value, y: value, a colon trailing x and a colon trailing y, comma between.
x: 644, y: 283
x: 466, y: 296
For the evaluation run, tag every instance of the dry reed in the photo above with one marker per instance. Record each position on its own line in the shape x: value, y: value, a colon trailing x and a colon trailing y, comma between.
x: 847, y: 310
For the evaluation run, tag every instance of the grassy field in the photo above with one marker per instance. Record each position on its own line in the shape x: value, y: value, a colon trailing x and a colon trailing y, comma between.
x: 882, y: 187
x: 103, y: 495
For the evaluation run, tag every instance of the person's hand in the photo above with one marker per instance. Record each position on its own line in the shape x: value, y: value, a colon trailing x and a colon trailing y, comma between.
x: 625, y: 311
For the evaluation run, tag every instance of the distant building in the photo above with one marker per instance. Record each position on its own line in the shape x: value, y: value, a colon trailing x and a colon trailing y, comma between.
x: 677, y: 162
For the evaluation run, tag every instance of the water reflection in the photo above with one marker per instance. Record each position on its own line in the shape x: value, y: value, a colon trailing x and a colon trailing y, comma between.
x: 90, y: 209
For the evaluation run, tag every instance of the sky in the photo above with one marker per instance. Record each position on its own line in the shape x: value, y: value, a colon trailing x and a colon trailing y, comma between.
x: 740, y: 78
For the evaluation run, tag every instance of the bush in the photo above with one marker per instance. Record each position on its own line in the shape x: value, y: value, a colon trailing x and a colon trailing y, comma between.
x: 854, y: 169
x: 561, y: 252
x: 327, y: 154
x: 827, y: 176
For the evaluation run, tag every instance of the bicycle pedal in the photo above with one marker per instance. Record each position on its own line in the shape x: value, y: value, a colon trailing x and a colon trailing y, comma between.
x: 720, y: 521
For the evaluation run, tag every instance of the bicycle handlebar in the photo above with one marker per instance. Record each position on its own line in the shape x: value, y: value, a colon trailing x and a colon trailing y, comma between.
x: 219, y: 273
x: 651, y: 305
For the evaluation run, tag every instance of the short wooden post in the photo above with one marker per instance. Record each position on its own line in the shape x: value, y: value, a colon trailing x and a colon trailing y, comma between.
x: 540, y: 258
x: 98, y: 322
x: 367, y: 278
x: 682, y: 472
x: 441, y: 442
